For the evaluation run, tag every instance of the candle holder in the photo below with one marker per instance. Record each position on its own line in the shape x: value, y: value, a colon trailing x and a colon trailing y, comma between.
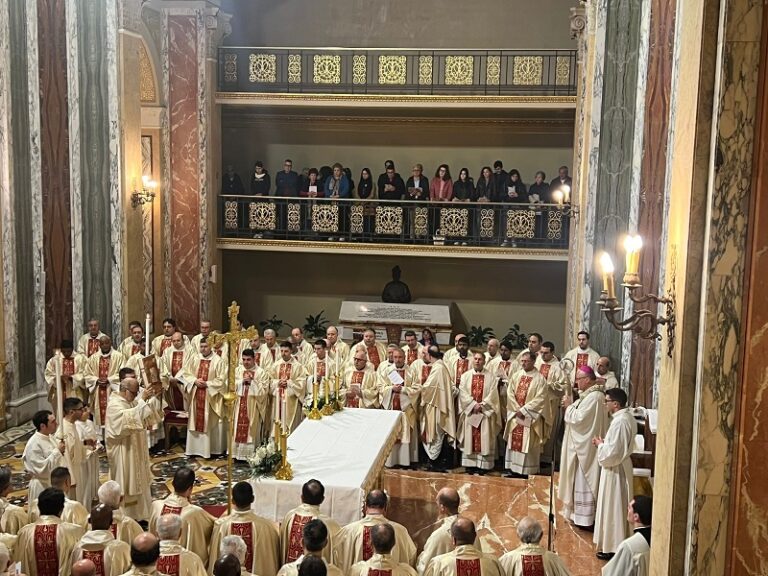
x: 315, y: 414
x: 337, y: 405
x: 327, y: 407
x: 285, y: 472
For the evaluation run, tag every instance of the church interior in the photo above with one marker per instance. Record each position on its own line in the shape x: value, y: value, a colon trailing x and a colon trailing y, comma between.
x: 144, y: 145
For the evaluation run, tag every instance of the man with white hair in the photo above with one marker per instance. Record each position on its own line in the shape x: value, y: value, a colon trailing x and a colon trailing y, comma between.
x: 375, y: 351
x: 491, y: 349
x: 123, y: 526
x: 269, y: 352
x: 111, y: 557
x: 530, y: 557
x: 174, y: 558
x: 338, y: 350
x: 233, y: 544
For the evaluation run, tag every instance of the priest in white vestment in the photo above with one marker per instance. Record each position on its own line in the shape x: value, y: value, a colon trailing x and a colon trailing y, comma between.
x: 632, y: 557
x: 205, y: 330
x: 479, y: 416
x: 460, y: 363
x: 314, y: 540
x: 75, y: 455
x: 581, y: 356
x: 88, y: 344
x: 135, y: 342
x: 12, y: 517
x: 531, y: 558
x: 614, y: 453
x: 492, y: 349
x: 269, y: 352
x: 526, y: 411
x: 72, y: 367
x: 304, y: 349
x: 387, y: 364
x: 447, y: 357
x: 354, y: 539
x: 465, y: 559
x: 204, y: 382
x: 557, y: 385
x: 73, y: 512
x: 437, y: 417
x: 123, y: 528
x: 604, y: 373
x: 42, y: 453
x: 399, y: 391
x: 45, y: 547
x: 534, y: 346
x: 412, y: 348
x: 291, y: 547
x: 251, y: 408
x: 288, y: 388
x: 359, y: 387
x: 441, y: 541
x: 383, y: 540
x: 585, y: 419
x: 321, y: 369
x: 161, y: 343
x: 129, y: 413
x: 90, y: 435
x: 338, y: 350
x: 172, y: 365
x: 375, y: 351
x: 196, y: 523
x: 102, y: 373
x: 110, y: 556
x: 174, y: 558
x: 260, y: 535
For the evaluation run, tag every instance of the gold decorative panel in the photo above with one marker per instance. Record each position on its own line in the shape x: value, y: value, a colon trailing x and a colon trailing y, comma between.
x: 359, y: 64
x: 425, y: 69
x: 327, y: 69
x: 493, y: 71
x: 454, y: 222
x: 262, y: 68
x: 230, y: 215
x: 486, y: 222
x: 230, y: 67
x: 325, y: 218
x: 563, y: 71
x: 389, y: 220
x: 294, y: 68
x: 146, y: 77
x: 392, y: 69
x: 262, y: 216
x: 521, y: 223
x: 528, y: 70
x: 421, y: 221
x: 458, y: 70
x: 356, y: 219
x: 294, y: 217
x: 555, y: 225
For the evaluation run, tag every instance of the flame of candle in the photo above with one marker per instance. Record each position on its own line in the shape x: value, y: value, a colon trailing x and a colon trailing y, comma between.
x: 606, y: 263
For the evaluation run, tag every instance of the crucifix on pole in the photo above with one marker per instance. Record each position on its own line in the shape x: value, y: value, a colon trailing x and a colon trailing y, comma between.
x: 232, y: 338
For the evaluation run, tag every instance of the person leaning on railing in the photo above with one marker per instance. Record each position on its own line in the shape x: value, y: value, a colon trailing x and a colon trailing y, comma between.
x: 336, y: 187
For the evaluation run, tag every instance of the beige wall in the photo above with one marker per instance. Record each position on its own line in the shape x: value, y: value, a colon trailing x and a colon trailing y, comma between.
x: 491, y: 24
x: 495, y: 293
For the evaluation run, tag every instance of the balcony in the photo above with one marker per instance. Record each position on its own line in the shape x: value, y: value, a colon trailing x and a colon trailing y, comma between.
x: 512, y: 74
x: 451, y: 229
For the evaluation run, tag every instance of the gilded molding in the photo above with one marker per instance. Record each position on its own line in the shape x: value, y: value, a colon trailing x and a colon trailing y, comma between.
x: 262, y: 68
x: 146, y: 76
x: 260, y: 97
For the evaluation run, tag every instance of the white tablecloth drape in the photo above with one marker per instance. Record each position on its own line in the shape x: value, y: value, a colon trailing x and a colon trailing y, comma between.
x: 345, y: 452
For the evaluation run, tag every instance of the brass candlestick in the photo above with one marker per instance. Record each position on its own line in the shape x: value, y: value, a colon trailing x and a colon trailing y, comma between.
x: 285, y: 472
x: 314, y: 414
x: 337, y: 406
x: 327, y: 407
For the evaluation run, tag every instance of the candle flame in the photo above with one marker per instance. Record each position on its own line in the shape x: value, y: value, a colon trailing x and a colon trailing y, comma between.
x: 606, y: 263
x: 633, y: 243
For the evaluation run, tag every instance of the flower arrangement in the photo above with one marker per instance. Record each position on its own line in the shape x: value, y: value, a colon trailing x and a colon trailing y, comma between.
x: 320, y: 401
x: 266, y: 460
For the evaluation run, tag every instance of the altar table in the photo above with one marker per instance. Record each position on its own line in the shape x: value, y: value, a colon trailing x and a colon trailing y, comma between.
x: 346, y: 452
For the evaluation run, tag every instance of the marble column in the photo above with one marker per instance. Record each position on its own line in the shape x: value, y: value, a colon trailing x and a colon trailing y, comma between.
x: 6, y: 203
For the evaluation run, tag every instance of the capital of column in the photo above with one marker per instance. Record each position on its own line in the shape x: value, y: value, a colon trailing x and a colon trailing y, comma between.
x: 578, y: 20
x: 129, y: 15
x: 217, y: 27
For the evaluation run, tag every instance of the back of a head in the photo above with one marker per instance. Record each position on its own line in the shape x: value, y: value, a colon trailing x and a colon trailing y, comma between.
x: 233, y: 544
x: 312, y: 566
x: 183, y: 479
x: 313, y: 492
x: 529, y: 531
x: 449, y: 499
x: 376, y: 499
x: 169, y: 527
x: 101, y: 517
x: 242, y: 495
x: 314, y: 535
x: 463, y: 531
x: 227, y: 565
x: 110, y: 493
x: 5, y: 478
x: 51, y: 502
x: 59, y: 477
x: 643, y: 507
x: 383, y: 538
x: 84, y: 567
x: 145, y: 550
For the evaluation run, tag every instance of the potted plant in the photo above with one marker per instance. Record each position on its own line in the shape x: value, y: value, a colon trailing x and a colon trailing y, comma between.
x: 479, y: 336
x: 315, y: 326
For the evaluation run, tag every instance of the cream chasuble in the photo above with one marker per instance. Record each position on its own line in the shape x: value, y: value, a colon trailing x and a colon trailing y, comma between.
x: 89, y: 345
x: 129, y: 347
x: 457, y: 368
x: 616, y: 481
x: 175, y: 560
x: 75, y: 457
x: 101, y: 379
x: 205, y: 431
x: 406, y: 449
x: 632, y: 557
x: 532, y: 560
x: 124, y: 528
x: 267, y: 356
x: 291, y: 536
x: 196, y: 523
x: 339, y: 353
x: 464, y: 561
x: 72, y: 378
x: 41, y: 455
x: 12, y: 518
x: 171, y: 366
x: 73, y: 513
x: 161, y: 343
x: 353, y: 543
x: 361, y: 383
x: 439, y: 542
x: 381, y: 565
x: 89, y: 484
x: 305, y: 352
x: 579, y: 467
x: 321, y: 370
x: 477, y: 432
x: 260, y: 536
x: 287, y: 402
x: 581, y: 358
x: 111, y: 557
x: 413, y: 354
x: 557, y: 385
x: 527, y: 393
x: 437, y: 418
x: 45, y: 547
x: 503, y: 370
x: 251, y: 410
x: 292, y: 568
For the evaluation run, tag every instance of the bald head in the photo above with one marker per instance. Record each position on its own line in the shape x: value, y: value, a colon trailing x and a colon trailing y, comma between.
x: 383, y: 538
x: 463, y: 531
x: 84, y: 568
x: 227, y: 565
x: 448, y: 499
x: 131, y: 385
x: 376, y: 500
x: 529, y: 531
x: 101, y: 517
x: 145, y: 550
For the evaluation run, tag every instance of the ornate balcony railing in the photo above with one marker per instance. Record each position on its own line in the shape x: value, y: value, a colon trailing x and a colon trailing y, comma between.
x: 403, y: 222
x: 400, y: 72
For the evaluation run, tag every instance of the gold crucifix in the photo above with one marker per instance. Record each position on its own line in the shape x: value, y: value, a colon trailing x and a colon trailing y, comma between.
x: 233, y: 338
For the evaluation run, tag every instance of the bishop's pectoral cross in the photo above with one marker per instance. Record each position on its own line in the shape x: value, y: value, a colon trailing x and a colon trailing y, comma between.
x: 232, y: 338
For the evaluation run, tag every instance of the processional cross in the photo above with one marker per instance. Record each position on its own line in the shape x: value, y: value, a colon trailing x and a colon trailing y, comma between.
x: 232, y: 338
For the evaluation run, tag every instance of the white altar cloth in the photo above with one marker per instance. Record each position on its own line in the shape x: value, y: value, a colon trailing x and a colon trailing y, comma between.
x: 346, y: 452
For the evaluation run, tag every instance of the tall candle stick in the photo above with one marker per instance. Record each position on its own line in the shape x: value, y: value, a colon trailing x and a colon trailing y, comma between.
x: 608, y: 284
x: 57, y: 362
x: 146, y: 335
x: 284, y: 402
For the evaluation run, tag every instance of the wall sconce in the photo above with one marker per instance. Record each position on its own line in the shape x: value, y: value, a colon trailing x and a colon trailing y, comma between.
x: 643, y: 323
x: 146, y: 194
x: 562, y: 197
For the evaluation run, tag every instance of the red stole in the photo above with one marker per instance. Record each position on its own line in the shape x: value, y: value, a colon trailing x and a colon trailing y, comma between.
x: 505, y: 364
x: 582, y: 360
x: 168, y: 509
x: 520, y: 394
x: 245, y: 531
x: 169, y: 564
x: 104, y: 363
x: 357, y: 379
x: 97, y: 557
x: 243, y: 421
x: 68, y: 366
x: 93, y: 346
x: 468, y: 567
x: 272, y: 351
x: 285, y: 371
x: 165, y: 343
x: 533, y: 566
x: 412, y: 356
x: 462, y: 364
x: 200, y: 396
x: 425, y: 370
x: 177, y: 361
x: 46, y: 550
x: 257, y: 358
x: 295, y: 537
x: 320, y: 369
x: 478, y: 382
x: 373, y: 356
x: 375, y: 572
x: 544, y: 369
x: 367, y: 543
x: 220, y: 351
x: 135, y: 348
x: 113, y: 529
x: 396, y: 395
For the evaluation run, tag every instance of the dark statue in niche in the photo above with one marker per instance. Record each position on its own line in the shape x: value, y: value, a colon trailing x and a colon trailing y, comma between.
x: 396, y: 291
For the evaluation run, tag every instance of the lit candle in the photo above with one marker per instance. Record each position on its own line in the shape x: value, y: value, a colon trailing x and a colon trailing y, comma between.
x: 284, y: 447
x: 607, y: 265
x: 284, y: 407
x: 276, y: 400
x: 566, y: 193
x: 557, y: 196
x: 633, y: 244
x: 327, y: 390
x: 146, y: 335
x: 57, y: 363
x: 315, y: 393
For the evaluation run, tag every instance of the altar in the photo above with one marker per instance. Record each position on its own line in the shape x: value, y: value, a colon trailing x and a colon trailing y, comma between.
x: 346, y: 452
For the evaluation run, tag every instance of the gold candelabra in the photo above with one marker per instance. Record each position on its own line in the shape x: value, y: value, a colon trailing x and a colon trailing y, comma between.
x: 285, y: 472
x: 315, y: 414
x: 327, y: 407
x: 337, y: 405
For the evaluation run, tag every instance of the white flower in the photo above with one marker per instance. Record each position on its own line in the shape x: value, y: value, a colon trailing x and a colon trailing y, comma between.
x: 261, y: 453
x: 270, y: 449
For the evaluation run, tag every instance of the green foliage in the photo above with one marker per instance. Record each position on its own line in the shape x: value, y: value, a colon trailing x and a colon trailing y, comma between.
x: 518, y: 339
x: 265, y: 460
x: 315, y: 326
x: 479, y: 336
x: 273, y: 323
